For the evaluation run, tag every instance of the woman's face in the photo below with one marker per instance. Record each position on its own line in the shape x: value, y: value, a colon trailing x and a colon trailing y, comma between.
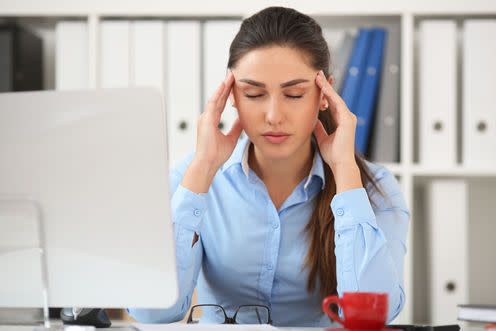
x: 277, y: 100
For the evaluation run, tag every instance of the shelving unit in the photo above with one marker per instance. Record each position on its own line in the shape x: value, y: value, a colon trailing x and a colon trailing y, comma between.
x: 42, y: 16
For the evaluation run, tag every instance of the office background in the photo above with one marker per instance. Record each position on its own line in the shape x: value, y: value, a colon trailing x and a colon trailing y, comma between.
x: 440, y: 105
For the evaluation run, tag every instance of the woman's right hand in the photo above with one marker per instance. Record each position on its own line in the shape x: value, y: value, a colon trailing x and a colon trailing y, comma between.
x: 213, y: 148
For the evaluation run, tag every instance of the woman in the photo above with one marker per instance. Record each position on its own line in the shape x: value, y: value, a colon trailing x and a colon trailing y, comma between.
x: 291, y: 213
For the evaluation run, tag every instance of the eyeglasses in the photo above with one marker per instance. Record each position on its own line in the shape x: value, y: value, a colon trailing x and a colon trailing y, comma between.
x: 215, y: 314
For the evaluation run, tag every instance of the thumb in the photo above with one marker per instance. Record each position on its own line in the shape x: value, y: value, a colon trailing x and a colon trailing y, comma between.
x: 319, y: 132
x: 235, y: 131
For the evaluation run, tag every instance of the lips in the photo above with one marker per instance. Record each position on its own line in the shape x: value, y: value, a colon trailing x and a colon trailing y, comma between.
x: 275, y: 137
x: 274, y: 133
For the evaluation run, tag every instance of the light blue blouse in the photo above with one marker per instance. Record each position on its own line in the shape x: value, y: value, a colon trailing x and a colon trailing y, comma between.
x: 249, y: 252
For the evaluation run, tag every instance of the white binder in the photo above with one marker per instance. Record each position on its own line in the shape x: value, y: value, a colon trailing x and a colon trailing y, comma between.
x: 479, y: 93
x: 218, y: 36
x: 148, y: 42
x: 149, y: 66
x: 437, y: 92
x: 115, y: 49
x: 183, y: 86
x: 71, y: 55
x: 447, y: 232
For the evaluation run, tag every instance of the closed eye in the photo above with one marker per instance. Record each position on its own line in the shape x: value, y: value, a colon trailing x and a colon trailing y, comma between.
x: 288, y: 96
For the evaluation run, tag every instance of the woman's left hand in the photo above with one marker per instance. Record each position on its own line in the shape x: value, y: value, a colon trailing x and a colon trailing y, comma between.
x: 338, y: 148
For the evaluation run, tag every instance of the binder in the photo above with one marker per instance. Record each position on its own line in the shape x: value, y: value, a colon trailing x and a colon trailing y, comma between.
x: 148, y: 51
x: 218, y: 36
x: 334, y: 38
x: 385, y: 135
x: 365, y: 103
x: 340, y: 43
x: 183, y: 87
x: 115, y: 49
x: 20, y: 59
x: 356, y: 68
x: 6, y: 60
x: 437, y: 92
x: 447, y: 232
x: 71, y: 55
x: 479, y: 97
x: 149, y: 67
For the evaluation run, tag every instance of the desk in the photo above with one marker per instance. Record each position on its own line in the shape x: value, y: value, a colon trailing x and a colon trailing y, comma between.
x: 125, y: 326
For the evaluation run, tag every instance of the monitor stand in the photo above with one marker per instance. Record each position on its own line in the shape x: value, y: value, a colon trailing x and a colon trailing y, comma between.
x: 15, y: 202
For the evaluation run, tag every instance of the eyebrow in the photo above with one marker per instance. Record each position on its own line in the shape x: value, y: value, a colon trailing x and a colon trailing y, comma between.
x: 290, y: 83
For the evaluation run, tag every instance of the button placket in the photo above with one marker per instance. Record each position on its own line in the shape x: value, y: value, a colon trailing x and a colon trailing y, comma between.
x: 271, y: 253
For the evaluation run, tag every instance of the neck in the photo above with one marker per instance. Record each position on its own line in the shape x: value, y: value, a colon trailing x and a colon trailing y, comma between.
x: 289, y: 171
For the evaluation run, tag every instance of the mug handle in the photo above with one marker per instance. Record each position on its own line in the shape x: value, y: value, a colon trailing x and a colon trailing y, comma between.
x: 325, y: 306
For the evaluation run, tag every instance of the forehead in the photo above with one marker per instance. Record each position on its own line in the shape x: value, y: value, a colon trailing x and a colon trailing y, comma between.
x: 274, y: 65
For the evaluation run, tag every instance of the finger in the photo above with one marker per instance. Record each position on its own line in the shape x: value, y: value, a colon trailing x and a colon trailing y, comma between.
x: 227, y: 90
x: 319, y: 132
x: 337, y: 106
x: 235, y: 131
x: 331, y: 95
x: 212, y: 102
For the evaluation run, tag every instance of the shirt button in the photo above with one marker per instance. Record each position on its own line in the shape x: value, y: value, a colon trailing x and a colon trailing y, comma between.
x: 340, y: 212
x: 269, y: 266
x: 275, y: 225
x: 197, y: 212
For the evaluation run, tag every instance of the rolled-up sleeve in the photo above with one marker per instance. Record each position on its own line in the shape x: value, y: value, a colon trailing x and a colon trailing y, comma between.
x: 188, y: 210
x: 370, y: 245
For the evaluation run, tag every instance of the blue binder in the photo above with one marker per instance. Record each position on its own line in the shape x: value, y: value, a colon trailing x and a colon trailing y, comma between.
x: 365, y: 103
x: 356, y: 67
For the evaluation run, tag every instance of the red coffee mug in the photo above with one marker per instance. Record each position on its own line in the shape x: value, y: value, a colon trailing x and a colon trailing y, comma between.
x: 361, y: 310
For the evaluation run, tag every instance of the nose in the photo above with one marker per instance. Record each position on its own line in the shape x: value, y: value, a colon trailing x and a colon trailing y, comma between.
x: 275, y: 113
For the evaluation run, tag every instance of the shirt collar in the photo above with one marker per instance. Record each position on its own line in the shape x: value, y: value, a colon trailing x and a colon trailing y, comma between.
x: 240, y: 156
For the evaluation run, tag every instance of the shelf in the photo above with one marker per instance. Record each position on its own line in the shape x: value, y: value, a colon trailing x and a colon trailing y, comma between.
x: 224, y: 7
x: 401, y: 170
x: 458, y: 171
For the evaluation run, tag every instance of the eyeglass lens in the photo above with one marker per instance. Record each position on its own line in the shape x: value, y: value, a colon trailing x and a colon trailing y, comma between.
x: 208, y: 314
x: 215, y: 315
x: 252, y: 315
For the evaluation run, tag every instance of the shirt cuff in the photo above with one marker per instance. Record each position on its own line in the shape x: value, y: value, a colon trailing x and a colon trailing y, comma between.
x: 188, y: 208
x: 352, y: 207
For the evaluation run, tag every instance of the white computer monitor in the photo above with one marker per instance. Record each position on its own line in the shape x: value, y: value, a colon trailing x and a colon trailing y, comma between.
x: 91, y: 165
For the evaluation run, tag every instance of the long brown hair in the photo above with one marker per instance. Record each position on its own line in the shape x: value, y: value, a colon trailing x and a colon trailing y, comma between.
x: 280, y: 26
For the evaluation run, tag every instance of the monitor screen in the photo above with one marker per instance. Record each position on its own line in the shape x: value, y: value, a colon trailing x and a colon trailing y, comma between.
x: 84, y: 175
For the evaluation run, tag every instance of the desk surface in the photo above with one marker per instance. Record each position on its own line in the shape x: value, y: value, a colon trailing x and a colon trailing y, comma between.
x: 126, y: 326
